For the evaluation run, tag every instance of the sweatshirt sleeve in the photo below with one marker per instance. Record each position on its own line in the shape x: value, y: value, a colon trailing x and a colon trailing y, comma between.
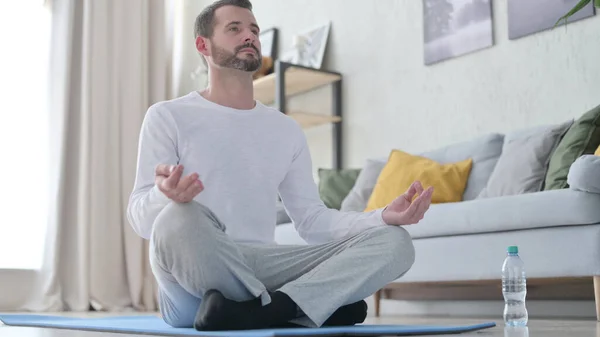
x: 157, y: 145
x: 314, y: 221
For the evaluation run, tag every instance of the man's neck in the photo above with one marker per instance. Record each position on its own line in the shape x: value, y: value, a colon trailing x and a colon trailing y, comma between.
x: 232, y: 89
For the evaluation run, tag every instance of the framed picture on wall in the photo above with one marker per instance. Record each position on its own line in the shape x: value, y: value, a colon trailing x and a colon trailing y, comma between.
x: 268, y: 42
x: 309, y: 47
x: 456, y: 27
x: 534, y: 16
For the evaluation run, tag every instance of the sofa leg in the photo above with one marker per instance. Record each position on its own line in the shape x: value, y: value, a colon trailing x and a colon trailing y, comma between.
x: 597, y: 295
x: 377, y: 299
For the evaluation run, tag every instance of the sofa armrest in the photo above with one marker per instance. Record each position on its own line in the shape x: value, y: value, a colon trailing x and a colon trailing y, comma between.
x: 584, y: 174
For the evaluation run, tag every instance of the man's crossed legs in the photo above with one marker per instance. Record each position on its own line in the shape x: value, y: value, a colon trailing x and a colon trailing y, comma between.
x: 202, y: 274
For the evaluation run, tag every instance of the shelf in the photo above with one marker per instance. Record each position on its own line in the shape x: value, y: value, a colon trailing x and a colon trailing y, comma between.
x: 308, y: 120
x: 288, y: 80
x: 297, y: 80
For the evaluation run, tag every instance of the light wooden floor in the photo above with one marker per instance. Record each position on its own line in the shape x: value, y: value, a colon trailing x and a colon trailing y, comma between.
x: 546, y: 328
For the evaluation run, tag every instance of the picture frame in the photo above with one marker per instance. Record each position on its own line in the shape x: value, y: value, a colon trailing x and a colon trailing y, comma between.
x: 536, y: 16
x: 309, y: 47
x: 269, y: 42
x: 453, y: 28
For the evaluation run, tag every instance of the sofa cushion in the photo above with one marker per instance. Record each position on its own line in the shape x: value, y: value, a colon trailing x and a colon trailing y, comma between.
x: 524, y: 161
x: 584, y: 174
x: 402, y: 169
x: 484, y: 150
x: 335, y: 184
x: 530, y: 210
x: 527, y: 131
x: 582, y: 138
x: 547, y: 252
x: 358, y: 197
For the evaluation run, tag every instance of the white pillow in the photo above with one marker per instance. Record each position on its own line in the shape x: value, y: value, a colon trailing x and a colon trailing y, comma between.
x: 584, y: 174
x: 358, y: 197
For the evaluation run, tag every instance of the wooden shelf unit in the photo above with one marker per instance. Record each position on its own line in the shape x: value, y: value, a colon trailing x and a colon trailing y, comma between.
x: 289, y: 80
x: 297, y: 80
x: 309, y: 119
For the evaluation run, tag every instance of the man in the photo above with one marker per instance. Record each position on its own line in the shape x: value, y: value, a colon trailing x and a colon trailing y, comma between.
x: 210, y: 167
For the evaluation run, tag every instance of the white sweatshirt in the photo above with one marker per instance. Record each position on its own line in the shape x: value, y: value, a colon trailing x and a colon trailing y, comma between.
x: 244, y: 159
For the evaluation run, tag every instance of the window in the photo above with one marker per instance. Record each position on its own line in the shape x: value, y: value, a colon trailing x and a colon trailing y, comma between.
x: 25, y: 29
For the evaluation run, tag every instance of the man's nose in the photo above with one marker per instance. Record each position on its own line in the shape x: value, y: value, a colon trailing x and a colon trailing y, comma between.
x: 250, y: 37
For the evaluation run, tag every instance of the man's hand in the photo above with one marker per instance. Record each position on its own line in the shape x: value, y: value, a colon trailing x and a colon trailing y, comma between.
x: 169, y: 181
x: 404, y: 211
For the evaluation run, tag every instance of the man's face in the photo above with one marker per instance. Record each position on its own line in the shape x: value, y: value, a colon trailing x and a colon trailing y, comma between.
x: 235, y: 42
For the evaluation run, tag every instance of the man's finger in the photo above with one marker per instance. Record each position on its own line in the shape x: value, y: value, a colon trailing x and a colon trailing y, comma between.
x: 411, y: 211
x: 419, y: 187
x: 186, y: 182
x: 159, y: 181
x: 410, y: 193
x: 163, y: 170
x: 425, y: 195
x: 173, y: 179
x: 420, y: 204
x: 192, y: 191
x: 425, y: 203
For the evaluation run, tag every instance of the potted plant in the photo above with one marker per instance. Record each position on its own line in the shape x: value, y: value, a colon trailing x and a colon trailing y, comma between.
x: 577, y: 8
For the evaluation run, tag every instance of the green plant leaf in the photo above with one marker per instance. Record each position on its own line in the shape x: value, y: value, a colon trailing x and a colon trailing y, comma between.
x: 575, y: 9
x: 597, y: 3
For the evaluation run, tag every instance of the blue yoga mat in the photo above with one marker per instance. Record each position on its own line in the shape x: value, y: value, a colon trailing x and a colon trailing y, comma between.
x: 155, y: 325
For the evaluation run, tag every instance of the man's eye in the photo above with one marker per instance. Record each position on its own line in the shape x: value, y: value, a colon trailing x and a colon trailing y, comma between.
x: 233, y: 28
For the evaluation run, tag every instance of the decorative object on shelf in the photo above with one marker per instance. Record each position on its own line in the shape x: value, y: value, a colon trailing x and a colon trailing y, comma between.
x: 269, y: 42
x: 269, y: 45
x: 456, y: 27
x: 534, y: 16
x: 265, y: 69
x: 309, y: 47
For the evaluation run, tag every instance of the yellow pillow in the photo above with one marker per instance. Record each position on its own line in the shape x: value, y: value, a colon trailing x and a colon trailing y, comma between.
x: 597, y: 153
x: 402, y: 169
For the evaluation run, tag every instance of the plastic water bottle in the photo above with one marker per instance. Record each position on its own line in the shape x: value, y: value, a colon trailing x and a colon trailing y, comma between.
x: 514, y: 289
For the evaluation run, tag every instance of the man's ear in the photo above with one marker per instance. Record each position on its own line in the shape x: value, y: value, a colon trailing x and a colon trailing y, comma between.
x: 202, y: 45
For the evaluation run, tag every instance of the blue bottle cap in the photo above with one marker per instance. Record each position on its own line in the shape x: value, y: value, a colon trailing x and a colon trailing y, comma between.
x: 513, y: 250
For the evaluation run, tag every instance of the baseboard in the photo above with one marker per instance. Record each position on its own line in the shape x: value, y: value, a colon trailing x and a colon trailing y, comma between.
x: 485, y: 309
x: 544, y: 289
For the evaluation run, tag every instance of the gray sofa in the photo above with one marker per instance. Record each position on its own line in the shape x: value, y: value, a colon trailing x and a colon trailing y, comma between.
x: 557, y: 231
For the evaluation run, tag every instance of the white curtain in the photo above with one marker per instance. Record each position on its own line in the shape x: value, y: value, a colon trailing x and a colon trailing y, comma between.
x: 110, y: 60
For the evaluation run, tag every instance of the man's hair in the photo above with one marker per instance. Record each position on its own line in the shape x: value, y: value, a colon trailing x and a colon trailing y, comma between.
x: 204, y: 25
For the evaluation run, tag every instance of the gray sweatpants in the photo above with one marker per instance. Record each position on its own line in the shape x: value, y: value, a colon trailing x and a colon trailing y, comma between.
x: 190, y: 253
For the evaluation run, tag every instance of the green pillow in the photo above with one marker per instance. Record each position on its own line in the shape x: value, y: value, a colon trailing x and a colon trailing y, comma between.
x: 582, y: 138
x: 334, y: 185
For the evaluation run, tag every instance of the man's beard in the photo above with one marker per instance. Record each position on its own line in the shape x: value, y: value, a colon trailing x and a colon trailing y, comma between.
x: 226, y: 59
